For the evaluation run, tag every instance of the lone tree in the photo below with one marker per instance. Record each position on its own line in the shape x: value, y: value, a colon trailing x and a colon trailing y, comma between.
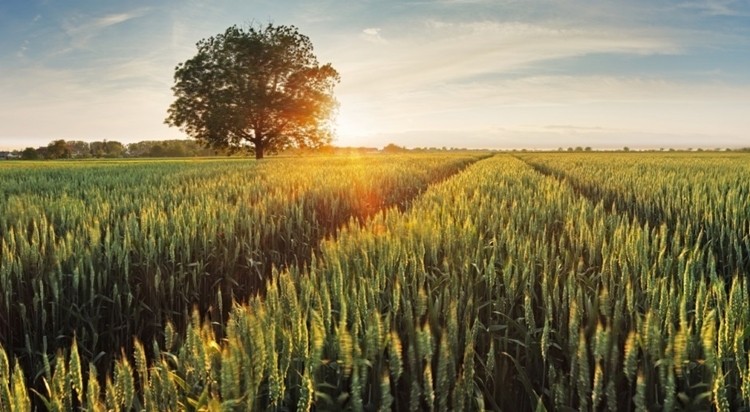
x: 255, y: 88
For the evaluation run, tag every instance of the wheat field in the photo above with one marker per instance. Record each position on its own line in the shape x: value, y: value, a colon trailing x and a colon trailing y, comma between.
x: 434, y: 281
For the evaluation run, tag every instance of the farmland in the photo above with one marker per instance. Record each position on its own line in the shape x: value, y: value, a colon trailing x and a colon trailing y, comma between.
x: 407, y: 282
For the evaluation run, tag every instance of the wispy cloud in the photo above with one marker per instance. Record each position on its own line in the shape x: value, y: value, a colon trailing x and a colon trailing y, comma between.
x: 441, y: 52
x: 21, y: 53
x: 112, y: 19
x: 81, y: 29
x: 446, y: 73
x: 372, y: 34
x: 716, y: 7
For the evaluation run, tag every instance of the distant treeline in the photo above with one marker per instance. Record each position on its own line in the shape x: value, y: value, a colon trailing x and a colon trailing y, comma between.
x: 62, y: 149
x: 70, y: 149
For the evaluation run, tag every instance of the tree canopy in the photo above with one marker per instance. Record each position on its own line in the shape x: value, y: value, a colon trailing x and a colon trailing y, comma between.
x: 255, y: 88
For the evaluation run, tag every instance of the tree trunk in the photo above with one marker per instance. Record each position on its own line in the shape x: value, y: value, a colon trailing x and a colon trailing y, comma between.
x: 258, y: 151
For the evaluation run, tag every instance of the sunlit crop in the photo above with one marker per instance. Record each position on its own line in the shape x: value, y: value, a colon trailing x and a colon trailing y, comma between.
x: 542, y: 281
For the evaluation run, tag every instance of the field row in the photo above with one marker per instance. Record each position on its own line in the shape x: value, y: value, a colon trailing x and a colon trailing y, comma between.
x: 705, y: 197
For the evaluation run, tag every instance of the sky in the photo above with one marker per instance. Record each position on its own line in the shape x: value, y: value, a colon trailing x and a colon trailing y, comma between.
x: 493, y: 74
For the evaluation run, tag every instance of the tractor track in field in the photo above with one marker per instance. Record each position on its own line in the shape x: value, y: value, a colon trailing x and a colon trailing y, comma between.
x: 331, y: 232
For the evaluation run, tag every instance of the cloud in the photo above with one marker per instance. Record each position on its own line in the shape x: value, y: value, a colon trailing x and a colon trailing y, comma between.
x: 112, y: 19
x: 439, y: 52
x: 81, y: 29
x: 372, y: 35
x: 21, y: 53
x: 715, y: 7
x: 451, y: 76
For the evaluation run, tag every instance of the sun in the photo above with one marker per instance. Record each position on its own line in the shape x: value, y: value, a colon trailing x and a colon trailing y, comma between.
x: 348, y: 124
x: 352, y: 127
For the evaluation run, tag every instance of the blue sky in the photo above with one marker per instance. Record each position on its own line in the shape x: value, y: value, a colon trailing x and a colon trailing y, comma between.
x: 463, y: 73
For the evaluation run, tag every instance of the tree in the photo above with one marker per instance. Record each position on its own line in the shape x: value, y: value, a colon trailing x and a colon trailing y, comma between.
x: 393, y: 148
x: 255, y: 88
x: 114, y: 148
x: 79, y: 149
x: 97, y: 149
x: 29, y: 153
x: 157, y: 150
x: 167, y: 148
x: 58, y: 149
x: 107, y: 148
x: 139, y: 149
x: 42, y: 152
